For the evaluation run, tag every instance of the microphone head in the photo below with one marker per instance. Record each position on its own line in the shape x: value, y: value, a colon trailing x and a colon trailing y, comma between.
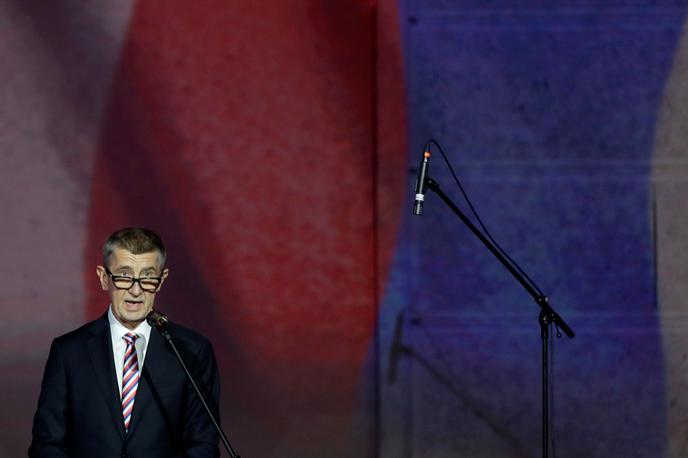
x: 421, y: 181
x: 157, y: 320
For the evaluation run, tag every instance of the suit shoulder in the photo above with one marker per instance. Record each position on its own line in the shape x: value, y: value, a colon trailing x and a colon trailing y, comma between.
x: 191, y: 338
x: 77, y: 336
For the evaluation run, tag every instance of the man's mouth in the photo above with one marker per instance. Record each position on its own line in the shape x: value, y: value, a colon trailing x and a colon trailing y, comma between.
x: 132, y: 303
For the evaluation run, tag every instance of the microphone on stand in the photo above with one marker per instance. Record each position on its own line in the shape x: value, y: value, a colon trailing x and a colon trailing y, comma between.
x: 157, y: 320
x: 420, y: 182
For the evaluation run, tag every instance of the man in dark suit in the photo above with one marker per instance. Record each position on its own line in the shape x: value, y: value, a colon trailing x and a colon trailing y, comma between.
x: 113, y: 388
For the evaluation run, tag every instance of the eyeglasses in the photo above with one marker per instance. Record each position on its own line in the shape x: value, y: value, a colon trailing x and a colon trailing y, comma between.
x: 149, y: 284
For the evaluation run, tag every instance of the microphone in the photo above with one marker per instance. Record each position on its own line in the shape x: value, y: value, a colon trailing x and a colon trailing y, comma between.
x: 397, y: 349
x: 420, y: 182
x: 157, y: 320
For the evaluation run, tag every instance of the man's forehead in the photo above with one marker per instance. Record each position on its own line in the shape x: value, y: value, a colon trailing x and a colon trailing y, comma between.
x: 122, y: 258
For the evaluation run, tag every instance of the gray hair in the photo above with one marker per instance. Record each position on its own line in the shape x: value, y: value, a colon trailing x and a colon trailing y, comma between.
x: 137, y: 240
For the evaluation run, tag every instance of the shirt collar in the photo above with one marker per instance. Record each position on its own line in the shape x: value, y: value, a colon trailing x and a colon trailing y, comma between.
x: 117, y: 329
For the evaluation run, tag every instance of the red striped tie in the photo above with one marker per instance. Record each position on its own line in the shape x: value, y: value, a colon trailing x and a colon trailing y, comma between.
x: 130, y: 378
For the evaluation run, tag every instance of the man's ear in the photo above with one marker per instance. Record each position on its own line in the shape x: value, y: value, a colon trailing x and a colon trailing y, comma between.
x: 103, y: 277
x: 165, y: 273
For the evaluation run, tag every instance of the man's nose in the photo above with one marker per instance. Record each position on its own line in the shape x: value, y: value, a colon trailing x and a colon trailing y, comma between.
x: 136, y: 289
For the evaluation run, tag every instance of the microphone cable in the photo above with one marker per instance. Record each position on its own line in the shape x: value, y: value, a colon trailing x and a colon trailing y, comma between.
x: 480, y: 222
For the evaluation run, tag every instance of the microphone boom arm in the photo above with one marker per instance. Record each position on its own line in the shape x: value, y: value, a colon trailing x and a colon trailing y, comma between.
x: 540, y: 300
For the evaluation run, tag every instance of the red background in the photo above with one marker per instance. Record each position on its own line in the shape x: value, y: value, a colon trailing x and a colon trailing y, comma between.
x: 248, y: 138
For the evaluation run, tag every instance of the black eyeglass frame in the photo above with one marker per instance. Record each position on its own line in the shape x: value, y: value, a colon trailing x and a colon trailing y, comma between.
x: 134, y: 280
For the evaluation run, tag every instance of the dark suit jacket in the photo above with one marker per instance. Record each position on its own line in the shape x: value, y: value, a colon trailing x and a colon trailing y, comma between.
x: 79, y: 413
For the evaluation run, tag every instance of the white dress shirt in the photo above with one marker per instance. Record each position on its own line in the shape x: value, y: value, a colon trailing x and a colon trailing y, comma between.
x: 119, y: 345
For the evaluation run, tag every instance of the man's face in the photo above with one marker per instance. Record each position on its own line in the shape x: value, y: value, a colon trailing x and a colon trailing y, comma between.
x: 130, y: 306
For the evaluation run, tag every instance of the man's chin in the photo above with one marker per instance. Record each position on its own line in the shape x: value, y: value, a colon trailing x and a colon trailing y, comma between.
x: 132, y: 318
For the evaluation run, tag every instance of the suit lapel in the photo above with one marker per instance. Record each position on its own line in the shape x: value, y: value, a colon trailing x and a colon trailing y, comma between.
x: 155, y: 365
x: 100, y: 352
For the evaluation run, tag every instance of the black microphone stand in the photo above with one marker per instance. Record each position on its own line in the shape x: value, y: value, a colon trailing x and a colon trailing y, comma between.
x: 159, y: 322
x: 546, y: 318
